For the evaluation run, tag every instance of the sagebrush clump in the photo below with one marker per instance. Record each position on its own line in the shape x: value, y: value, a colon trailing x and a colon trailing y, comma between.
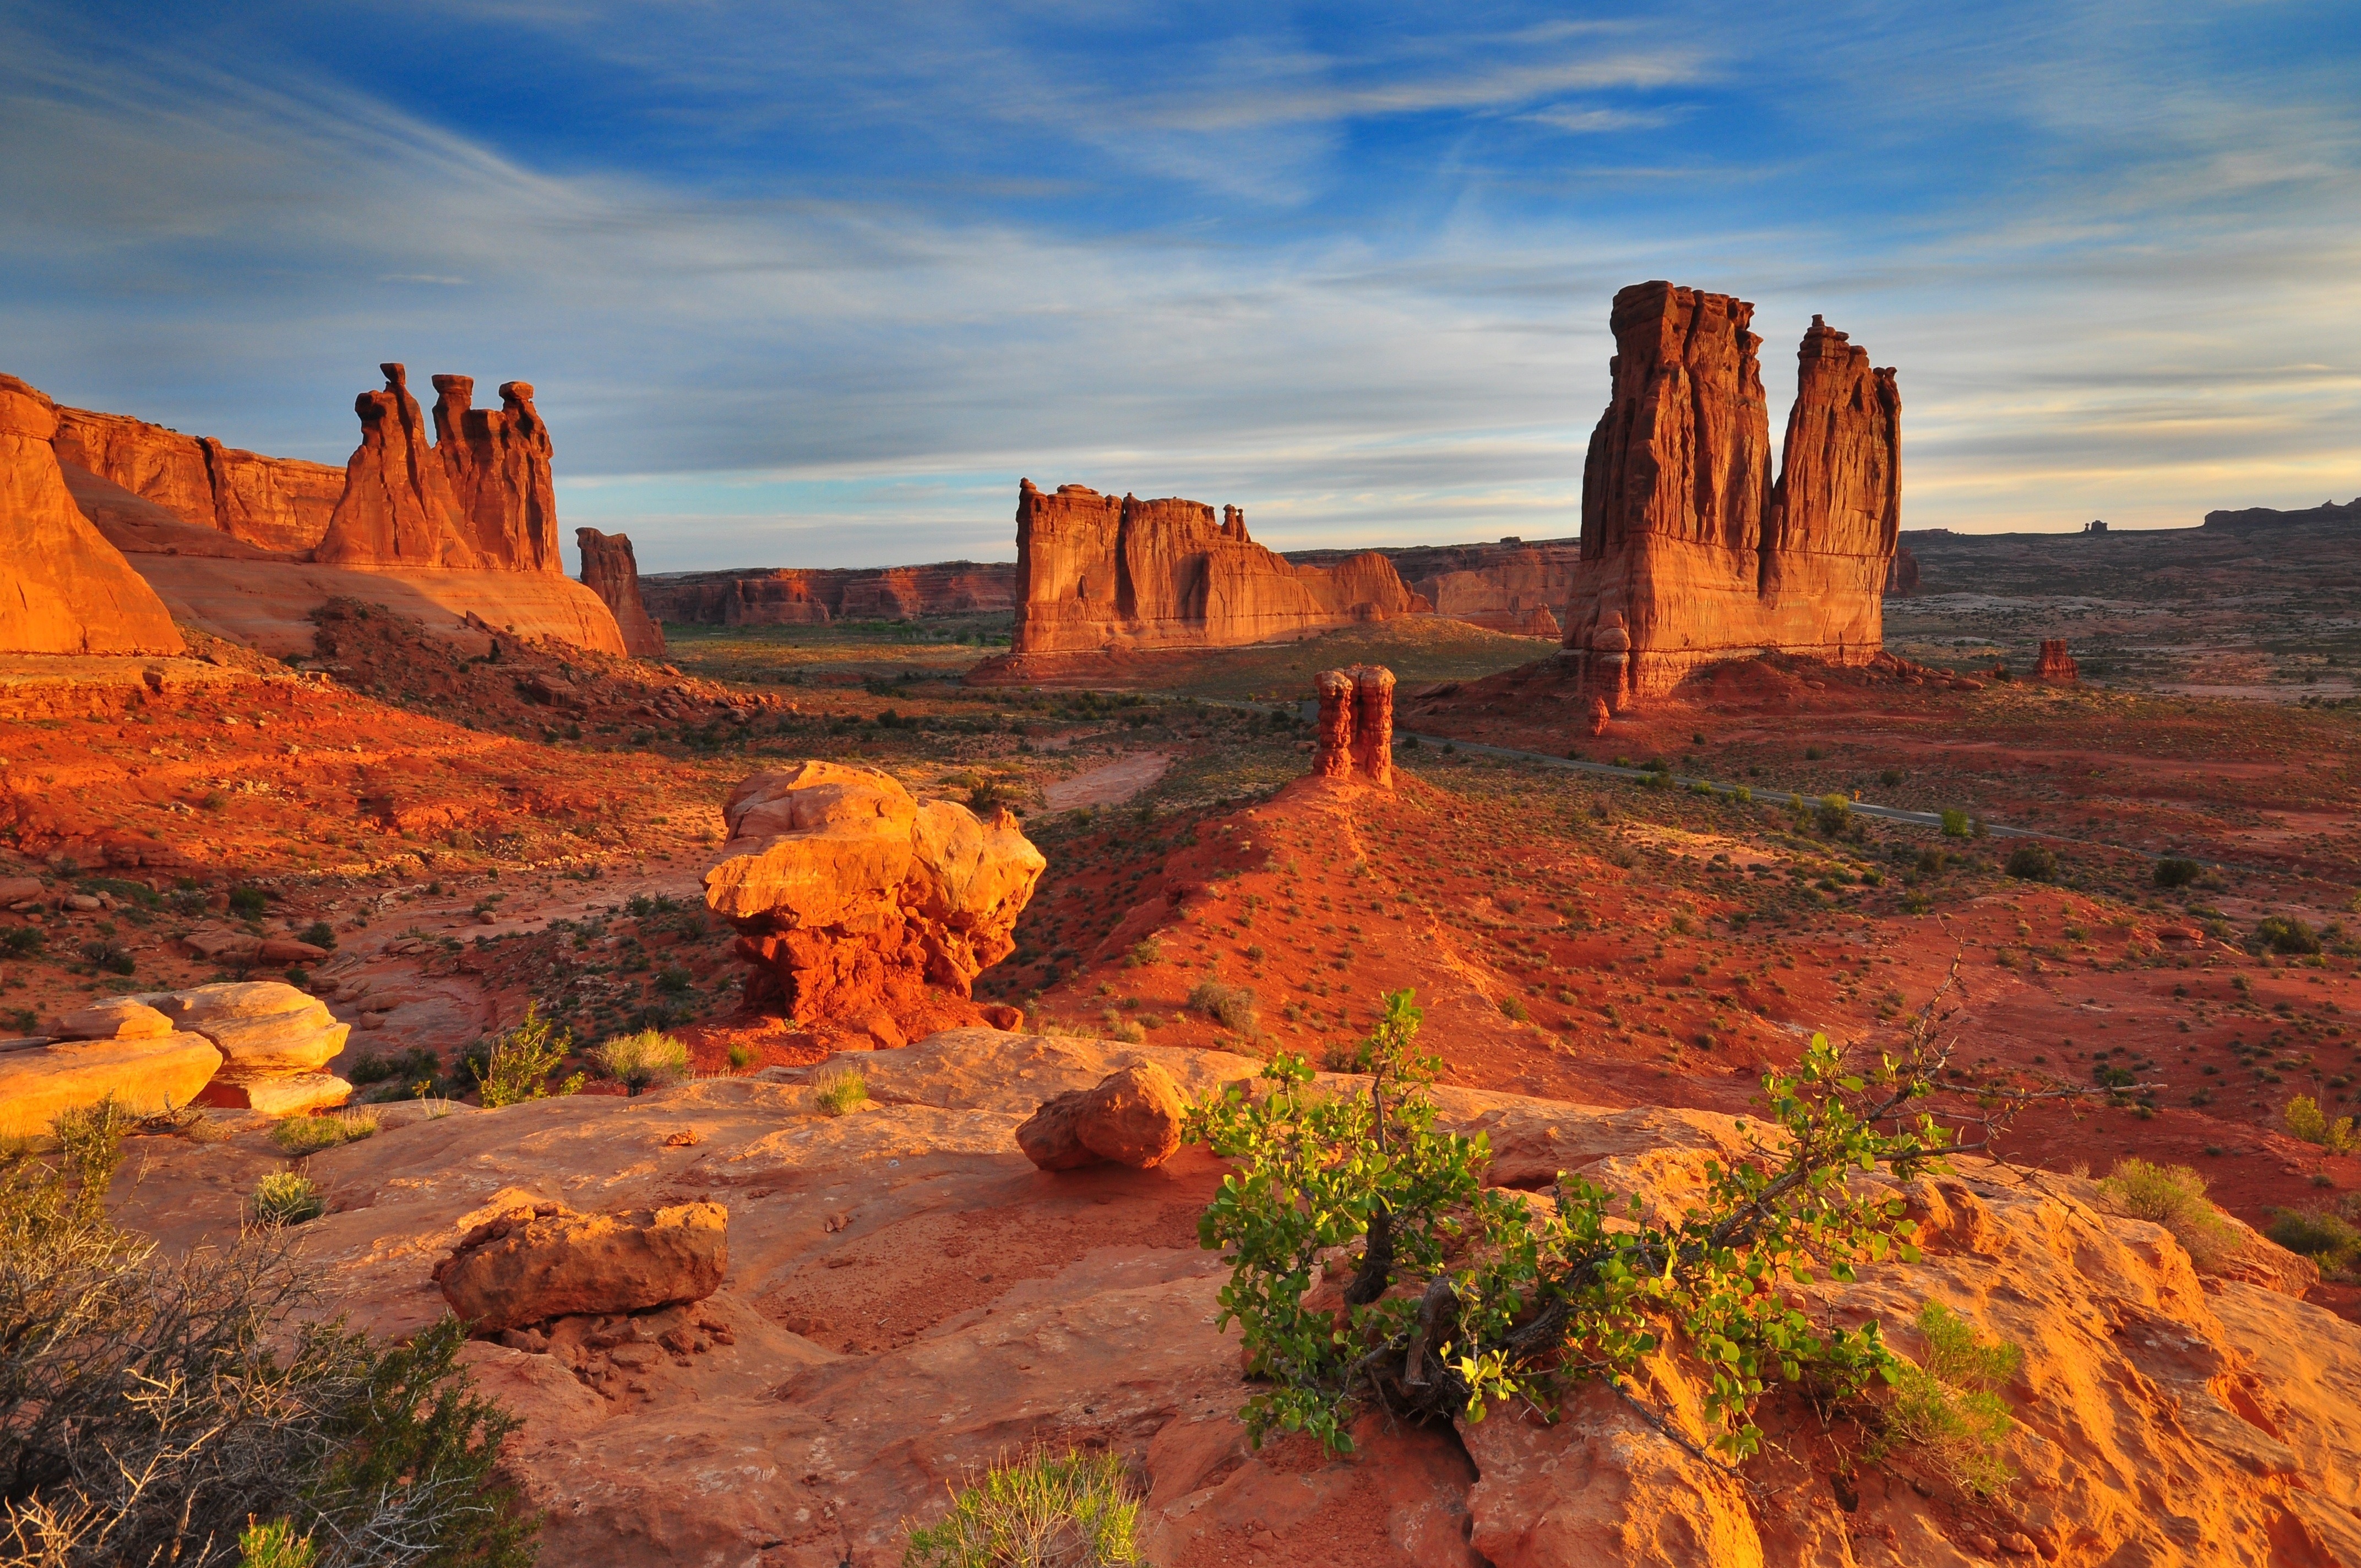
x: 644, y: 1060
x: 1232, y: 1007
x: 1070, y: 1511
x: 2172, y: 1196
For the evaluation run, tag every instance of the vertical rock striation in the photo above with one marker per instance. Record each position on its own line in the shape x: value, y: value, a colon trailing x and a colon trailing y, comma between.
x: 63, y: 588
x: 1097, y: 574
x: 398, y: 508
x: 2056, y: 664
x: 499, y: 464
x: 1690, y: 553
x: 1356, y: 734
x: 613, y: 572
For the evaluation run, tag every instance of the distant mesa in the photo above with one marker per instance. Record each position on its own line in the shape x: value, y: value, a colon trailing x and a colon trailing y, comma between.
x: 611, y: 571
x: 789, y: 596
x: 2096, y: 525
x: 1513, y: 586
x: 2266, y: 517
x: 1690, y: 553
x: 276, y: 504
x: 1097, y: 574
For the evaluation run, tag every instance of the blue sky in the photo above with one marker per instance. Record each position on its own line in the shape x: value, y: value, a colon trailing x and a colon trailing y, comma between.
x: 814, y: 286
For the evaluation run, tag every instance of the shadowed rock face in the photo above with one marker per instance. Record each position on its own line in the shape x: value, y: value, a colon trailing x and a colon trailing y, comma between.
x: 499, y: 465
x: 65, y: 589
x: 1902, y: 575
x: 793, y: 596
x: 275, y: 503
x: 613, y: 572
x: 1098, y: 574
x: 1689, y: 552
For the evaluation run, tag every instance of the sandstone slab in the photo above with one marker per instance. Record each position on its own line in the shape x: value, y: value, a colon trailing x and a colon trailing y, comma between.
x: 147, y: 1074
x: 531, y: 1264
x: 262, y: 1027
x: 278, y: 1095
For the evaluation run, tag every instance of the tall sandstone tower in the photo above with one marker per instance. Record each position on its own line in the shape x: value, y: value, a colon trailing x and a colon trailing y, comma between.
x: 1690, y: 553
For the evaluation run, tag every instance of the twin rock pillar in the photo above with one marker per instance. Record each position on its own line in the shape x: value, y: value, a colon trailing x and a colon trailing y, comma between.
x: 1357, y: 726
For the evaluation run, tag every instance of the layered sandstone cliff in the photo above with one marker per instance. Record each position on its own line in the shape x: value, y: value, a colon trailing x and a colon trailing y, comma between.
x: 787, y: 596
x: 1099, y: 574
x: 498, y: 461
x: 274, y: 503
x: 611, y: 571
x: 63, y: 588
x: 1510, y: 585
x: 1690, y: 553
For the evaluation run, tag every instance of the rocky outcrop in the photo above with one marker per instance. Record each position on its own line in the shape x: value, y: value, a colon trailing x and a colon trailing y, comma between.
x: 1133, y: 1117
x: 851, y: 899
x: 498, y: 461
x: 613, y: 572
x: 1355, y: 737
x: 787, y: 596
x: 2266, y: 517
x: 279, y: 504
x: 2056, y: 664
x: 1902, y: 575
x: 1510, y: 585
x: 398, y: 506
x: 63, y: 588
x: 533, y: 1263
x: 119, y: 1049
x: 1097, y: 574
x: 273, y: 1039
x: 1690, y: 553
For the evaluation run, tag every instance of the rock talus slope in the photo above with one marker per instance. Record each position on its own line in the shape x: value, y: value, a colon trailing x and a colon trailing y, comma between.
x: 63, y: 588
x: 611, y: 571
x: 1690, y: 553
x: 905, y: 1298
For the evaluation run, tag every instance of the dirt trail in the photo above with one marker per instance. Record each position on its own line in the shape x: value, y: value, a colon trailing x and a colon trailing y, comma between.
x: 1110, y: 783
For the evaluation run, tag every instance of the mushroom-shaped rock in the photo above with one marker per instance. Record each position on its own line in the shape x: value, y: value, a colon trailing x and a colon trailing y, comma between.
x: 530, y: 1264
x: 1132, y: 1118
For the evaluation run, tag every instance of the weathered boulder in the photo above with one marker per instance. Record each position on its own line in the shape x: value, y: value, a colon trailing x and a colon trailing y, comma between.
x: 263, y: 1026
x: 146, y: 1073
x: 1098, y: 574
x: 279, y: 504
x: 850, y: 896
x: 530, y: 1264
x: 611, y: 571
x: 64, y: 589
x: 1132, y: 1118
x: 2056, y: 664
x: 1689, y: 552
x: 114, y: 1018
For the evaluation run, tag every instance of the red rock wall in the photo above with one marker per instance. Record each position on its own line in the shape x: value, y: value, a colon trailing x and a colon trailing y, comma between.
x: 63, y: 588
x: 1095, y: 574
x: 787, y: 596
x: 398, y: 508
x: 277, y: 503
x: 613, y: 572
x: 1689, y: 554
x: 499, y: 464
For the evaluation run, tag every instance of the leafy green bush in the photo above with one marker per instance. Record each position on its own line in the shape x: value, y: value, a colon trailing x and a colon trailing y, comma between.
x: 1945, y: 1406
x: 1072, y: 1512
x: 2032, y: 863
x: 2174, y: 870
x: 1147, y: 950
x: 2172, y: 1196
x: 518, y: 1065
x: 299, y: 1135
x: 407, y: 1067
x: 320, y: 933
x: 642, y: 1060
x: 1513, y: 1009
x: 2286, y: 934
x: 838, y: 1090
x: 188, y: 1410
x: 1955, y: 823
x: 286, y: 1198
x: 1834, y: 814
x: 22, y: 941
x: 2328, y: 1239
x: 1462, y: 1295
x: 2305, y: 1120
x: 249, y: 902
x: 741, y: 1057
x: 1232, y: 1007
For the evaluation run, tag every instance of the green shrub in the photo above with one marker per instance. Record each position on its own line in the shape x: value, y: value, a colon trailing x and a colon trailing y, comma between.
x: 320, y: 933
x: 1432, y: 1328
x: 2173, y: 870
x: 1147, y: 950
x: 1945, y: 1406
x: 838, y: 1090
x: 2305, y: 1120
x: 2286, y: 934
x: 182, y: 1409
x: 2032, y: 863
x: 1834, y: 814
x: 1955, y: 823
x: 249, y: 902
x: 2172, y: 1196
x: 1232, y: 1007
x: 409, y: 1067
x: 1076, y: 1511
x: 643, y: 1060
x: 517, y: 1067
x: 299, y: 1135
x: 2330, y: 1240
x: 741, y: 1057
x: 286, y: 1198
x: 1513, y: 1009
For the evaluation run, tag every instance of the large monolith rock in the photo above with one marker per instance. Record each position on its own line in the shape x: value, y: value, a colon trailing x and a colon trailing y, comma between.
x: 610, y: 570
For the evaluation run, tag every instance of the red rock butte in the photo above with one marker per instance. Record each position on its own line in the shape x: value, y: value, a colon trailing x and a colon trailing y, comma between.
x: 611, y: 570
x: 1690, y: 553
x: 1098, y: 575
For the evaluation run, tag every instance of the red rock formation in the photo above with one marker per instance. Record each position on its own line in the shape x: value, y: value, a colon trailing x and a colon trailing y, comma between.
x: 2056, y: 664
x: 1689, y: 554
x: 398, y: 508
x: 498, y: 466
x: 1902, y: 575
x: 1095, y: 574
x: 63, y: 588
x: 1507, y: 586
x: 540, y: 1261
x: 1133, y: 1118
x: 852, y: 900
x: 1356, y: 736
x: 279, y: 504
x: 613, y: 572
x: 788, y: 596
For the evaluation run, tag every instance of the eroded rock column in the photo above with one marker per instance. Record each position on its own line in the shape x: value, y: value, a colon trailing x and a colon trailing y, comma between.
x: 1373, y: 724
x: 1333, y: 755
